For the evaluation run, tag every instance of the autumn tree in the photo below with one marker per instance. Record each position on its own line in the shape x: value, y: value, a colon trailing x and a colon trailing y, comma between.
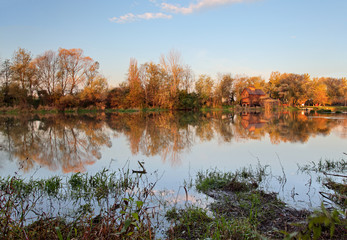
x: 23, y: 72
x: 273, y: 85
x: 317, y: 92
x: 173, y: 66
x: 153, y: 77
x: 117, y: 97
x: 204, y: 88
x: 73, y: 68
x: 47, y: 68
x: 289, y: 87
x: 336, y: 90
x: 224, y: 91
x: 136, y: 92
x: 92, y: 73
x: 187, y: 80
x: 95, y: 92
x: 96, y: 87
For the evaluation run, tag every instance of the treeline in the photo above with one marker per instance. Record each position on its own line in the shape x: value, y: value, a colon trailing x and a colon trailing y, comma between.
x: 63, y: 79
x: 69, y: 79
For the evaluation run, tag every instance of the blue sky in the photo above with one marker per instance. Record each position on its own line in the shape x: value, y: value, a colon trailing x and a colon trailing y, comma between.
x: 253, y: 37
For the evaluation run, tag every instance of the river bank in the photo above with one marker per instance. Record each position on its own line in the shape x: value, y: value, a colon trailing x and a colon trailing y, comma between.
x: 124, y: 204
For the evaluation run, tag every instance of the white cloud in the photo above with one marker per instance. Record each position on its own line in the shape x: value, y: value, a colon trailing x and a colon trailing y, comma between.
x: 201, y: 4
x: 130, y: 17
x: 176, y: 9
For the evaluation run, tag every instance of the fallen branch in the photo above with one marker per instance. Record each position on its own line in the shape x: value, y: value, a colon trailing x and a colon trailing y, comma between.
x: 335, y: 175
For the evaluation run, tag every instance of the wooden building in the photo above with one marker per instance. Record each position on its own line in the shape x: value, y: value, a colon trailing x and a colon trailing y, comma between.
x: 252, y: 97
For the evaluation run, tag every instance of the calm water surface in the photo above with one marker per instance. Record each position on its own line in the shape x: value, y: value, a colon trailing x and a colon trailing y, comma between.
x: 177, y: 145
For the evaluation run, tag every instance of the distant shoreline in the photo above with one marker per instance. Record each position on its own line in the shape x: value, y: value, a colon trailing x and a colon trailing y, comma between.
x: 51, y: 110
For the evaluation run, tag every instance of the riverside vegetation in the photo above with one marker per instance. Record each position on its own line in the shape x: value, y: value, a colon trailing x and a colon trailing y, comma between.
x: 243, y: 210
x: 107, y: 205
x: 68, y: 79
x: 123, y: 205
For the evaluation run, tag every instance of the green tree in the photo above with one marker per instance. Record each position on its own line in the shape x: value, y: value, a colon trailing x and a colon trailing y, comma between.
x: 188, y: 100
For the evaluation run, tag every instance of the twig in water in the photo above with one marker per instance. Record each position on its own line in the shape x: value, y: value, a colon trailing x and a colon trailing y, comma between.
x: 143, y: 171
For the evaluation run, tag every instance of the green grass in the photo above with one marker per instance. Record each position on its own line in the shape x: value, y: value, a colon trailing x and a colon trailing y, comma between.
x: 338, y: 166
x: 244, y: 179
x: 194, y: 223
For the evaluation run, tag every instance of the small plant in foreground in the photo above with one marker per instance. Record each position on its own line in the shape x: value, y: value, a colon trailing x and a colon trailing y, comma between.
x: 322, y: 224
x: 238, y: 181
x: 194, y: 223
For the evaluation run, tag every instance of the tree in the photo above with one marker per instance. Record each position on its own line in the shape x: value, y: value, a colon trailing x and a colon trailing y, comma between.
x: 225, y: 89
x: 273, y: 85
x: 47, y: 68
x: 187, y: 79
x: 336, y: 90
x: 117, y: 97
x: 173, y: 66
x: 73, y: 67
x: 23, y: 72
x: 136, y: 92
x: 317, y: 92
x: 204, y: 89
x: 153, y: 76
x: 95, y: 92
x: 5, y: 73
x: 289, y: 87
x: 188, y: 100
x: 92, y: 73
x: 5, y: 80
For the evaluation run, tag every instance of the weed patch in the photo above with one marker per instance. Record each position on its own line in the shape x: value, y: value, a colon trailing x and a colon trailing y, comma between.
x: 194, y: 223
x: 107, y: 205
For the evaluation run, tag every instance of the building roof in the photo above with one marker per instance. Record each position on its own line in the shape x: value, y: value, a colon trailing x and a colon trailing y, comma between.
x: 254, y: 91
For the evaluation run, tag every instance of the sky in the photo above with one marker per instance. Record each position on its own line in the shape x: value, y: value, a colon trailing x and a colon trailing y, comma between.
x: 252, y: 37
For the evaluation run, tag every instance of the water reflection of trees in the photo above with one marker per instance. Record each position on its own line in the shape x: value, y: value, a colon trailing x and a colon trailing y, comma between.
x: 66, y: 142
x: 166, y: 134
x: 71, y: 142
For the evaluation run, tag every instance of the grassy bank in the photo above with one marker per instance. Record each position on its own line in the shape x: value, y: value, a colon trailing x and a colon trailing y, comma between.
x: 122, y: 204
x: 243, y: 210
x: 107, y: 205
